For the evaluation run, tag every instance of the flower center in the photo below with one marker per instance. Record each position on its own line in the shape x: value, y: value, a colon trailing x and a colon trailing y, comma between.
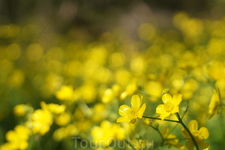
x: 198, y: 136
x: 169, y: 106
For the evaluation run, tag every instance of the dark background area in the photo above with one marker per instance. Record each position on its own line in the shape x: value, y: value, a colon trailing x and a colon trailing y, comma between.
x: 97, y: 16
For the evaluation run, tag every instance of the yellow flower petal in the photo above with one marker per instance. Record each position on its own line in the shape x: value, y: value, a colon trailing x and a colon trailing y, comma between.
x: 166, y: 97
x: 123, y: 119
x: 165, y: 132
x: 164, y: 115
x: 214, y: 103
x: 169, y: 106
x: 141, y: 111
x: 124, y: 110
x: 160, y: 109
x: 136, y: 102
x: 204, y: 132
x: 11, y: 135
x: 175, y: 109
x: 190, y: 145
x: 177, y: 98
x: 185, y: 133
x: 203, y: 145
x: 193, y: 125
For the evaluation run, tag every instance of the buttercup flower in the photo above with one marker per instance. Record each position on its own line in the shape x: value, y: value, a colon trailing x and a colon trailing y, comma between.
x: 129, y: 114
x: 214, y: 104
x: 199, y: 135
x: 170, y: 105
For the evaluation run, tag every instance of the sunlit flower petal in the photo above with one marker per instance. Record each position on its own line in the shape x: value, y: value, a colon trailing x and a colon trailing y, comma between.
x: 123, y: 119
x: 141, y: 111
x: 193, y: 125
x: 177, y: 98
x: 175, y: 109
x: 160, y: 109
x: 124, y: 110
x: 164, y: 115
x: 166, y: 97
x: 214, y: 104
x: 136, y: 102
x: 204, y: 132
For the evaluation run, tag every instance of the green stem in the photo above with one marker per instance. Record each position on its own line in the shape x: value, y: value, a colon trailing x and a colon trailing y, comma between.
x: 161, y: 119
x: 130, y: 144
x: 157, y: 130
x: 186, y: 128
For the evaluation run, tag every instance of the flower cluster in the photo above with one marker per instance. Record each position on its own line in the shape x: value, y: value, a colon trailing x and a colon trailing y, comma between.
x: 56, y: 87
x: 199, y: 136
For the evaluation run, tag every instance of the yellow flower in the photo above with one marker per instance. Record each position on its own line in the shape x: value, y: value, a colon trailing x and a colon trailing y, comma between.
x: 20, y: 109
x: 214, y: 104
x: 103, y: 135
x: 18, y: 138
x: 106, y: 133
x: 40, y: 121
x: 55, y: 108
x: 140, y: 144
x: 129, y: 114
x: 65, y: 93
x: 130, y: 89
x: 62, y: 119
x: 170, y: 139
x: 64, y: 132
x: 199, y: 135
x: 170, y: 105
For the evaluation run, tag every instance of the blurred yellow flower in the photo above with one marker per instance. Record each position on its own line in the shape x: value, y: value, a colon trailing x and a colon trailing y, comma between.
x: 199, y: 136
x: 17, y: 138
x: 88, y: 92
x: 130, y: 89
x: 129, y: 114
x: 110, y: 93
x: 20, y: 109
x: 64, y: 132
x: 65, y: 93
x: 106, y: 133
x: 59, y: 134
x: 141, y: 144
x: 103, y: 134
x: 214, y: 104
x: 170, y: 139
x: 170, y: 105
x: 40, y: 121
x: 62, y: 119
x: 99, y: 112
x: 107, y: 96
x: 55, y: 108
x: 216, y: 69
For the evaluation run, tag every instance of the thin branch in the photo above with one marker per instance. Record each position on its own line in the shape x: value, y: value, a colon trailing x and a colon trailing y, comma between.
x: 186, y: 128
x: 161, y: 119
x: 130, y: 145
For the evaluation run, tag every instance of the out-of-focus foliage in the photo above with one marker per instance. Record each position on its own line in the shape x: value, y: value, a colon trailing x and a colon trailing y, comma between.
x: 58, y: 90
